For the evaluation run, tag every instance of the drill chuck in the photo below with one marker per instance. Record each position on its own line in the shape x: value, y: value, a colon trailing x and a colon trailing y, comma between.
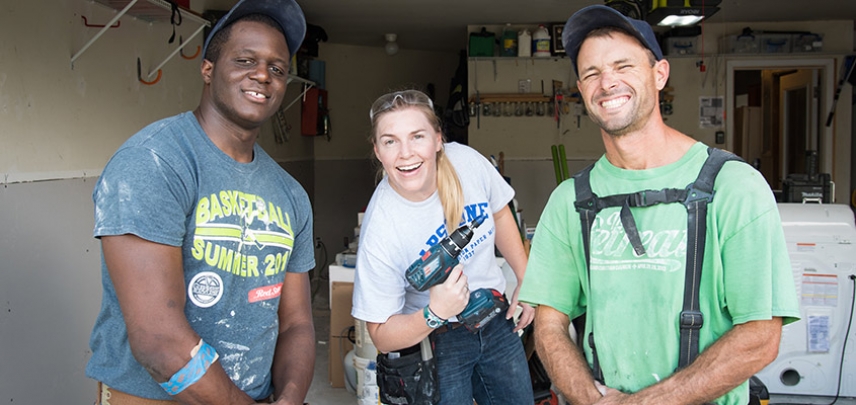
x: 434, y: 266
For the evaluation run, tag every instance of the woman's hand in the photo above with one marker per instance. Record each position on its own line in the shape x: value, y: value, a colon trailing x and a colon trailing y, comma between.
x: 450, y: 298
x: 526, y: 316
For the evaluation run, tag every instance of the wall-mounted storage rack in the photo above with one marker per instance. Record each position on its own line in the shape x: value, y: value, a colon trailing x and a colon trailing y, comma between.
x: 307, y: 84
x: 150, y: 11
x: 161, y: 11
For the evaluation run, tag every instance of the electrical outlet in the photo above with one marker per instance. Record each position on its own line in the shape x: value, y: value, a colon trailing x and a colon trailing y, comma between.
x: 720, y: 137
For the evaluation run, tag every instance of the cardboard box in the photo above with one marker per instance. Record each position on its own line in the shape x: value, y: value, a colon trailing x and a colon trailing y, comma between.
x: 340, y: 319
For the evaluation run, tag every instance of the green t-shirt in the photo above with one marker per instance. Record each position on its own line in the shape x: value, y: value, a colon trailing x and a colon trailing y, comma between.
x: 632, y: 303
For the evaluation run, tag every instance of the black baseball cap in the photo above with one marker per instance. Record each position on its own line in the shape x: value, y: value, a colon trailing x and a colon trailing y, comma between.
x: 286, y: 13
x: 592, y: 17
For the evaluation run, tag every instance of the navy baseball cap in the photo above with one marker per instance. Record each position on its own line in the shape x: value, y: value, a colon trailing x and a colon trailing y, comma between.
x: 286, y: 13
x: 592, y: 17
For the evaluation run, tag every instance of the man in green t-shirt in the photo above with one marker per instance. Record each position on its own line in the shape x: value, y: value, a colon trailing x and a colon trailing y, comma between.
x: 632, y: 301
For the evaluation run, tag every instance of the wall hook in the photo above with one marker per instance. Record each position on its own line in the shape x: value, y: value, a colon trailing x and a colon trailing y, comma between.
x: 140, y: 76
x: 190, y: 57
x: 86, y: 23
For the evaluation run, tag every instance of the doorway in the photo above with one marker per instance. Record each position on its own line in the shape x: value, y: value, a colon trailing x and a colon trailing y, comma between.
x: 776, y: 105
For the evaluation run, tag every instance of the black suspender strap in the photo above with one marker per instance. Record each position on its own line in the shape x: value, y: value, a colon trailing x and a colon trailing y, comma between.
x: 699, y: 195
x: 695, y: 197
x: 587, y: 205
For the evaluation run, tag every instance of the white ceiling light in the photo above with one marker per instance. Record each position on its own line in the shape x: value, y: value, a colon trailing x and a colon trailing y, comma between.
x: 391, y: 46
x: 680, y: 20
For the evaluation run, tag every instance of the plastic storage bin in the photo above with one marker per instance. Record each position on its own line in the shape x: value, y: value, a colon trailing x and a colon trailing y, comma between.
x: 682, y: 46
x: 775, y: 43
x: 482, y: 43
x: 740, y: 44
x: 807, y: 43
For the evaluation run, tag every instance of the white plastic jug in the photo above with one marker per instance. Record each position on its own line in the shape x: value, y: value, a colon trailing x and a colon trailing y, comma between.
x: 541, y: 41
x: 524, y: 44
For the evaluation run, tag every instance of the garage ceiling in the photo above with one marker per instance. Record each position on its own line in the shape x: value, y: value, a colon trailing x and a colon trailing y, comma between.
x: 440, y: 25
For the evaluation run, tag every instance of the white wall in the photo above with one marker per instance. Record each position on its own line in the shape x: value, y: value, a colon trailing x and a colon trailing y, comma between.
x: 62, y: 122
x: 356, y: 76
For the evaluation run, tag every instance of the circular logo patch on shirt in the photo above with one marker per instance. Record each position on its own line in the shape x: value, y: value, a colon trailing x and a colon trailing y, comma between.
x: 205, y: 289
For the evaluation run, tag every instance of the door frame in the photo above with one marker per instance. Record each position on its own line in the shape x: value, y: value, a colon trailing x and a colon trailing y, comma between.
x: 805, y: 79
x: 827, y: 74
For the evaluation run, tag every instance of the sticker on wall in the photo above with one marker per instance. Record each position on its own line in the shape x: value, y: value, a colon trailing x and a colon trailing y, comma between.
x: 205, y: 289
x: 710, y: 112
x: 818, y: 323
x: 820, y: 290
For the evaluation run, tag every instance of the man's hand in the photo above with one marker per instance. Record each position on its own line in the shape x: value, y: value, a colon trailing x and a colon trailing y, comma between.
x: 561, y: 357
x: 611, y: 396
x: 731, y: 360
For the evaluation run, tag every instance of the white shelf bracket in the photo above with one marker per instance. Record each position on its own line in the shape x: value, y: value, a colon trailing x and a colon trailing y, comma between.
x: 306, y: 86
x: 102, y: 31
x: 177, y: 50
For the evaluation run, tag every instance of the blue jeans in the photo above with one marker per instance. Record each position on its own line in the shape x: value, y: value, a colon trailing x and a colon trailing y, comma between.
x: 488, y: 366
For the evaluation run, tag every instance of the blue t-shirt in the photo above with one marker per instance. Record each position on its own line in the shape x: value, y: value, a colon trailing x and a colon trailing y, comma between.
x: 241, y: 227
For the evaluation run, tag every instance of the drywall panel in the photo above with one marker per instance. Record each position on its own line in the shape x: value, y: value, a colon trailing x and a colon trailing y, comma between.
x: 357, y: 75
x: 50, y: 291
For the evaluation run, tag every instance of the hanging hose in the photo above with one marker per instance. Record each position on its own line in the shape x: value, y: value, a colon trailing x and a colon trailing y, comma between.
x: 846, y: 338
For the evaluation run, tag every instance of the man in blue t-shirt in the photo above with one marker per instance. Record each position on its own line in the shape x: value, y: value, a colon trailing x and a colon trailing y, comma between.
x: 207, y: 241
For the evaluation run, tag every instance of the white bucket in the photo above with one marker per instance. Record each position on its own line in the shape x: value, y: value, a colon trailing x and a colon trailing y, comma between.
x: 349, y: 372
x: 363, y: 346
x: 367, y: 391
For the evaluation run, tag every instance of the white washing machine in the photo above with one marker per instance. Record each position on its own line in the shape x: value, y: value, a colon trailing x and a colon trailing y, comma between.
x: 821, y: 242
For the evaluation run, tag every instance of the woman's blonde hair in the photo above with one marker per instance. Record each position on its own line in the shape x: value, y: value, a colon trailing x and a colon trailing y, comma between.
x: 448, y: 185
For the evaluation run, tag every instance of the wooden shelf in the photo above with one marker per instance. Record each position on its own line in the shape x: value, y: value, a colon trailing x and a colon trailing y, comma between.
x: 153, y: 10
x: 510, y: 97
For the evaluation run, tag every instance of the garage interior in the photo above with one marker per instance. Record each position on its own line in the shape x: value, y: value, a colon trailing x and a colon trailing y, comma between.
x: 766, y: 79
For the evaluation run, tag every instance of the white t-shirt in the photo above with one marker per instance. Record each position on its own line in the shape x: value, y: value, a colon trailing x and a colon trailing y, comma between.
x: 395, y: 232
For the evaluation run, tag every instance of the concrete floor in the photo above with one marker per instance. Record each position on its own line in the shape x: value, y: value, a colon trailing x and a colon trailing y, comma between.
x: 321, y: 393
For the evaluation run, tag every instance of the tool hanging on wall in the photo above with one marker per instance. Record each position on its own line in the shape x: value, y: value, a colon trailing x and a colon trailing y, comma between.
x: 666, y: 99
x: 174, y: 19
x: 557, y: 101
x: 560, y: 163
x: 576, y: 98
x: 846, y: 75
x: 281, y: 127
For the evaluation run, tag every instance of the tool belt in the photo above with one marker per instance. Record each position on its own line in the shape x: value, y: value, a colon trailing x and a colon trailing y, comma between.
x: 110, y: 396
x: 410, y: 378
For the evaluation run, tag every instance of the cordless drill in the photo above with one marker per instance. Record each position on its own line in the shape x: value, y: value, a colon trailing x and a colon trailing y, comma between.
x: 434, y: 266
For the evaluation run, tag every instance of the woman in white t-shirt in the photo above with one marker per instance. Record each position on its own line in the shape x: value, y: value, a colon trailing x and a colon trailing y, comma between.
x: 430, y: 188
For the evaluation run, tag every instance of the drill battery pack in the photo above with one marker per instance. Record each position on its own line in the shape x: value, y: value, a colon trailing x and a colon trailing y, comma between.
x: 484, y: 305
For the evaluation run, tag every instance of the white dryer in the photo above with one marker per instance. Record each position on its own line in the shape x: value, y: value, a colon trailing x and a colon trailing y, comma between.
x: 821, y: 242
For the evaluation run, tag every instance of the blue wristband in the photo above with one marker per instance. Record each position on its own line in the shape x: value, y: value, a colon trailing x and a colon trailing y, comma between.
x: 203, y: 355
